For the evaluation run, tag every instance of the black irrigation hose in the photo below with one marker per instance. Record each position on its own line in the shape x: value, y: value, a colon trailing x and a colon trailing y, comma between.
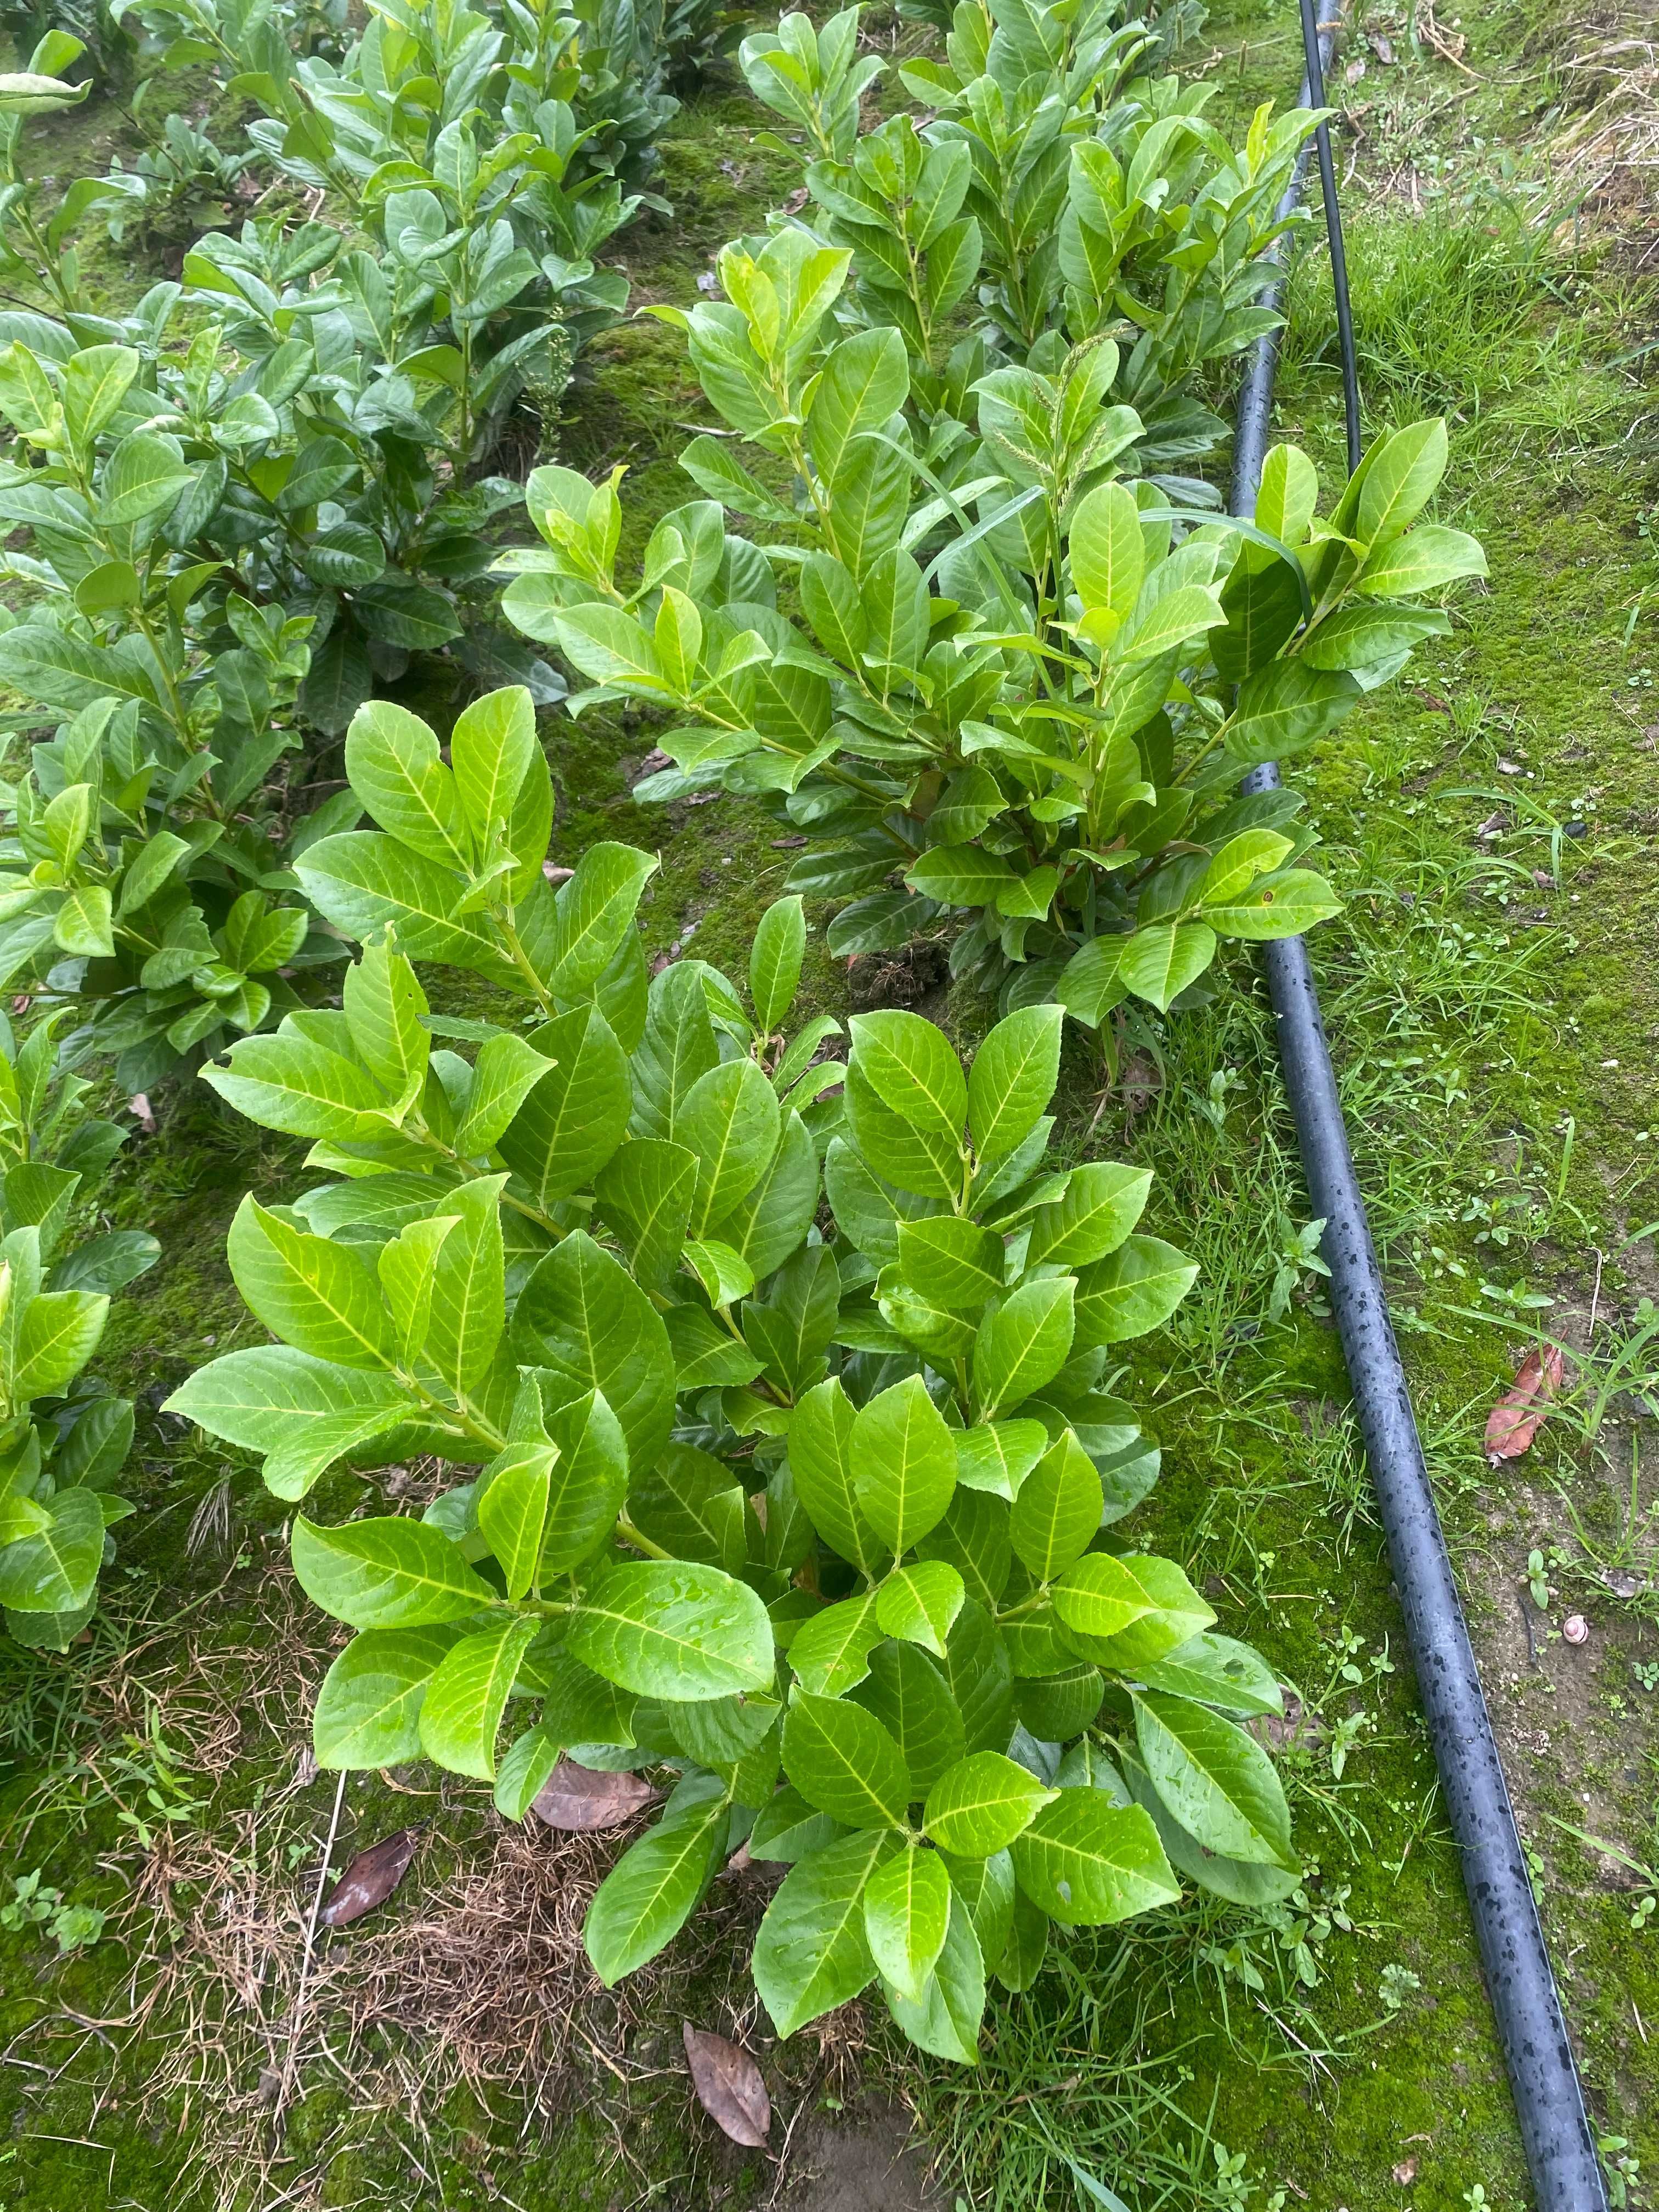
x: 1555, y: 2129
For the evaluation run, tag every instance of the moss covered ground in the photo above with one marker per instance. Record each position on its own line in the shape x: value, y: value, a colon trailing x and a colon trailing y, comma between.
x: 1492, y: 996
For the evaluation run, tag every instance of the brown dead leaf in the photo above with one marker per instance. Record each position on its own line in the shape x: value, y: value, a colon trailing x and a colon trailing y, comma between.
x: 22, y: 1002
x: 1406, y: 2172
x: 1494, y: 826
x: 729, y: 2087
x: 554, y: 874
x: 139, y: 1107
x: 370, y: 1879
x: 1382, y: 47
x: 1517, y: 1417
x: 580, y: 1799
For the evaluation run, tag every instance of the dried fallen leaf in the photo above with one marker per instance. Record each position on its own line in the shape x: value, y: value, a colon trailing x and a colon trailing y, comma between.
x: 1494, y: 826
x: 1517, y: 1417
x: 370, y: 1879
x: 139, y: 1107
x: 22, y: 1002
x: 729, y: 2087
x: 1382, y: 47
x: 580, y: 1799
x: 554, y: 874
x: 1406, y: 2172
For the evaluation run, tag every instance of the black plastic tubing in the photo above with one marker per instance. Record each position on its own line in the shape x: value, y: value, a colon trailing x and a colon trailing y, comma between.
x: 1555, y: 2128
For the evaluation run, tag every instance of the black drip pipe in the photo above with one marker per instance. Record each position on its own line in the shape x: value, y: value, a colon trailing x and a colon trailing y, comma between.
x: 1555, y: 2128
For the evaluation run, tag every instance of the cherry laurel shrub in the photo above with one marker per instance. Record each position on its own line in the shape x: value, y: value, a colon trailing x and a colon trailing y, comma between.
x: 816, y: 1509
x: 63, y: 1441
x: 1038, y: 717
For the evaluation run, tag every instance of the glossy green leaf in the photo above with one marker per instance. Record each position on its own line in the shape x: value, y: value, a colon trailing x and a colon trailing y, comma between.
x: 918, y: 1603
x: 997, y: 1456
x: 367, y: 1710
x: 581, y: 1316
x: 655, y: 1886
x: 1131, y: 1291
x: 321, y: 1297
x: 1059, y: 1510
x: 1088, y: 1862
x: 461, y: 1712
x: 907, y: 1910
x: 775, y: 961
x: 1217, y: 1782
x: 842, y: 1760
x: 812, y: 1952
x: 386, y: 1573
x: 1013, y: 1079
x: 904, y: 1462
x: 822, y: 1460
x: 982, y: 1803
x: 945, y: 2018
x: 830, y: 1653
x: 669, y: 1628
x: 1100, y: 1205
x: 1022, y: 1344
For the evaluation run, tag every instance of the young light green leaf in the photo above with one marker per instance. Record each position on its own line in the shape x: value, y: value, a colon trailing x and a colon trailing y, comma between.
x: 367, y: 1710
x: 319, y: 1296
x: 464, y: 1700
x: 775, y: 962
x: 1173, y: 1614
x: 1101, y: 1204
x: 1024, y: 1344
x: 730, y: 1121
x: 489, y: 750
x: 830, y: 1653
x: 904, y: 1463
x: 595, y: 911
x: 918, y: 1603
x: 587, y: 1482
x: 384, y: 1004
x: 511, y: 1509
x: 945, y: 2018
x: 1131, y: 1290
x: 911, y: 1070
x: 907, y: 1910
x: 1013, y: 1079
x: 406, y: 1264
x: 1159, y: 962
x: 998, y: 1455
x: 302, y: 1412
x: 1216, y: 1671
x: 821, y: 1458
x: 982, y: 1803
x: 571, y: 1119
x: 1059, y: 1510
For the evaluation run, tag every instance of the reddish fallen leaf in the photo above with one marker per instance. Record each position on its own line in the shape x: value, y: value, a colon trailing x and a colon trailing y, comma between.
x: 729, y: 2087
x: 1406, y: 2172
x: 370, y: 1879
x: 139, y: 1107
x: 1517, y: 1417
x: 578, y: 1798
